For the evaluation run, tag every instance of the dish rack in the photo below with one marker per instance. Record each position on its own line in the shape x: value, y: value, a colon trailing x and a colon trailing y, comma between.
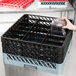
x: 30, y: 42
x: 52, y: 3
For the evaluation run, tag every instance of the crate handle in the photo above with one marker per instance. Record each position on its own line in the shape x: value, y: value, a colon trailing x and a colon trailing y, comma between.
x: 25, y: 65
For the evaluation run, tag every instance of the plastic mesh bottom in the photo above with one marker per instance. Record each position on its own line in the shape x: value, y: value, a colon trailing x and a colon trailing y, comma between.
x: 38, y: 64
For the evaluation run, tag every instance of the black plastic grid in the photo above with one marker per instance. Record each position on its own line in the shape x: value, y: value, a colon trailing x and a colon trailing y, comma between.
x: 31, y: 37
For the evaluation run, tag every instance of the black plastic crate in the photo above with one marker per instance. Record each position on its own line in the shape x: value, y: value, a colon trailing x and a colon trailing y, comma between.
x: 31, y: 37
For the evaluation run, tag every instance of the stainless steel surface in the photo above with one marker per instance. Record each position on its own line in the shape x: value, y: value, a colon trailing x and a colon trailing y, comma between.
x: 75, y: 17
x: 33, y: 8
x: 9, y: 70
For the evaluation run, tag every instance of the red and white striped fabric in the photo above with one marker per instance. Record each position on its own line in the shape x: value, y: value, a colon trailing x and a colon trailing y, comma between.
x: 53, y: 0
x: 16, y: 3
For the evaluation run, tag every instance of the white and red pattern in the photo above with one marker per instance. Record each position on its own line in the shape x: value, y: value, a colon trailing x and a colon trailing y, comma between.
x: 16, y: 3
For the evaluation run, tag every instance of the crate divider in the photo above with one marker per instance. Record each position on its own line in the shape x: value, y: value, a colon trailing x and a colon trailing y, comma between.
x: 29, y: 30
x: 45, y: 37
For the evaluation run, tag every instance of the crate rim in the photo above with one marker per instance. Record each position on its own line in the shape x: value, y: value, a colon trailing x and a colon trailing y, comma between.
x: 33, y: 42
